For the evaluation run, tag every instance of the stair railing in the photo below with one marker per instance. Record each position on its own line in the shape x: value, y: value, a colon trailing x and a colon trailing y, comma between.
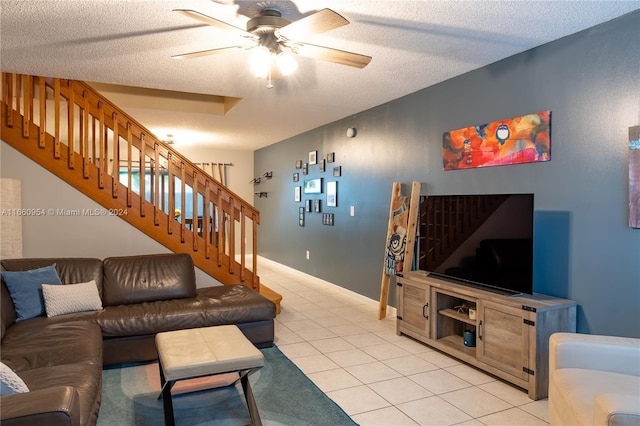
x: 92, y: 144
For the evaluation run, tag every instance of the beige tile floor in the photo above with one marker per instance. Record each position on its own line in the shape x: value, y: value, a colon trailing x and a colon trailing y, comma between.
x: 377, y: 377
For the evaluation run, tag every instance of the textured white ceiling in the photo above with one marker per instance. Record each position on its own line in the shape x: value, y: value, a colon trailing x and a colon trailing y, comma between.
x: 414, y: 44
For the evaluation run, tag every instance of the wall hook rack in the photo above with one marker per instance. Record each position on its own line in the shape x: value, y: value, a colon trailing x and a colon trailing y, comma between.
x: 261, y: 194
x: 255, y: 180
x: 267, y: 175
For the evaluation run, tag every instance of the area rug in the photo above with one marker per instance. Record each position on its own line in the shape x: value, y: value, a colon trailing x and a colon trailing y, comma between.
x: 284, y: 395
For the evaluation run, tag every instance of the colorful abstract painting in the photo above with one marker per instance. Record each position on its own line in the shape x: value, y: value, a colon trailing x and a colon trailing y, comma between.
x: 524, y: 139
x: 634, y: 177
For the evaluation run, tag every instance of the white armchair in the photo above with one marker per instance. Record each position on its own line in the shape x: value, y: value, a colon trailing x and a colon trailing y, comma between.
x: 594, y: 380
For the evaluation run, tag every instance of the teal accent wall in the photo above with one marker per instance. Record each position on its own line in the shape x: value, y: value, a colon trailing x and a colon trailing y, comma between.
x: 584, y: 249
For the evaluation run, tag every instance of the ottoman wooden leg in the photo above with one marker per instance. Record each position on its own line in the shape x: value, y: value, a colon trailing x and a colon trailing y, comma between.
x: 251, y: 402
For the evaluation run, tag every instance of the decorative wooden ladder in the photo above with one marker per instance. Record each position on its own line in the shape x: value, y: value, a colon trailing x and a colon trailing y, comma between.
x: 81, y: 137
x: 408, y: 221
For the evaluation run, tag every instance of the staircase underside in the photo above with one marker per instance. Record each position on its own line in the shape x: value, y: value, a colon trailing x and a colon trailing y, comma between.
x: 224, y: 216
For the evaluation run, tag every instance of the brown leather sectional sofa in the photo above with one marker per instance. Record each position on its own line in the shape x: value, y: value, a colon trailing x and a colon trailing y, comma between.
x: 60, y: 358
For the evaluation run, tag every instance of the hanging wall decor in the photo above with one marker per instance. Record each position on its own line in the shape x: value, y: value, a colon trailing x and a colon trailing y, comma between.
x: 524, y: 139
x: 634, y: 177
x: 332, y: 194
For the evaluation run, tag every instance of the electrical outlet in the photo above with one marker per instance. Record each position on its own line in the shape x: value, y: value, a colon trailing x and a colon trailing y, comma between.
x: 307, y: 254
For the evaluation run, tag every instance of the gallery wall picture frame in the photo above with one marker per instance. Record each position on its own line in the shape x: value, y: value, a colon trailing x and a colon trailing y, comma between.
x: 337, y: 171
x: 331, y: 157
x: 317, y: 206
x: 296, y: 177
x: 297, y: 194
x: 305, y: 169
x: 308, y: 205
x: 327, y: 219
x: 313, y: 157
x: 332, y: 194
x: 298, y: 164
x: 322, y: 165
x: 301, y: 216
x: 313, y: 186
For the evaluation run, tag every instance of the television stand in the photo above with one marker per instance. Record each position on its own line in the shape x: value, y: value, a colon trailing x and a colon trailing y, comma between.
x: 511, y: 333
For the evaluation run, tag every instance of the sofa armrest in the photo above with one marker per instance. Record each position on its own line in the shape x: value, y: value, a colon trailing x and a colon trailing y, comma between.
x: 54, y: 406
x: 616, y: 410
x: 595, y: 352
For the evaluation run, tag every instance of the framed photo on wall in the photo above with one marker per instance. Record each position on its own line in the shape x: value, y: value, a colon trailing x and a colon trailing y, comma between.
x: 313, y: 157
x: 296, y: 177
x: 297, y: 194
x: 313, y: 186
x: 332, y: 194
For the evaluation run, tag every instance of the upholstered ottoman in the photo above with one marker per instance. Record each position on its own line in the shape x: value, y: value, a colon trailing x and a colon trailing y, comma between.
x: 207, y: 351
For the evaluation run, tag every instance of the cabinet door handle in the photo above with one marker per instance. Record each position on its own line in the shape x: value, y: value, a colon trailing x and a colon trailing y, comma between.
x: 424, y: 311
x: 480, y: 330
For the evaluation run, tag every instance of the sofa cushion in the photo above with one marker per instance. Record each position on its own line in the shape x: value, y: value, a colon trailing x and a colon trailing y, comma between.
x: 235, y: 304
x: 28, y: 348
x: 10, y: 382
x: 66, y: 299
x: 137, y: 279
x: 25, y: 288
x: 150, y: 317
x: 573, y: 391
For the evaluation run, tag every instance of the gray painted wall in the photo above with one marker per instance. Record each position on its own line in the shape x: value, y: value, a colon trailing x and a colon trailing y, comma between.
x: 584, y: 249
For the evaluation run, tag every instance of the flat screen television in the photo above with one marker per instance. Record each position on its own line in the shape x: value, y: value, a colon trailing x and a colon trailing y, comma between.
x: 482, y: 240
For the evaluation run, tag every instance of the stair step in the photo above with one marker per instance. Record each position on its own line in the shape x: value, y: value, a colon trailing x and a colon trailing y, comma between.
x: 271, y: 295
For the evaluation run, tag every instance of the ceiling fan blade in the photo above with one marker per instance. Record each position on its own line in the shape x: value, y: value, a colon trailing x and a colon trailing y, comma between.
x: 319, y: 22
x: 206, y: 52
x: 332, y: 55
x: 215, y: 23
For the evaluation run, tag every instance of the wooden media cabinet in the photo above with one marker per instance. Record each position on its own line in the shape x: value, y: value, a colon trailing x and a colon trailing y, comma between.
x: 511, y: 332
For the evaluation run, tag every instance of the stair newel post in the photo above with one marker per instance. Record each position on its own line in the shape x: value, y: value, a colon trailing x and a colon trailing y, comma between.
x: 156, y: 183
x: 85, y: 136
x: 71, y: 161
x: 115, y: 169
x: 130, y: 167
x: 42, y: 95
x: 206, y: 219
x: 102, y: 129
x: 222, y: 218
x: 194, y: 211
x: 182, y: 201
x: 143, y: 172
x: 242, y: 245
x: 254, y: 220
x: 27, y: 101
x: 56, y: 107
x: 172, y: 195
x: 232, y: 235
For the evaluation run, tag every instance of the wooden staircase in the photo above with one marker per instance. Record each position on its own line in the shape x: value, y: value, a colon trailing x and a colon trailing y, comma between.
x: 81, y: 137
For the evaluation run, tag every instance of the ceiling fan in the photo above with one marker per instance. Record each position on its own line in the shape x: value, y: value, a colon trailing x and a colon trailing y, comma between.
x: 271, y: 35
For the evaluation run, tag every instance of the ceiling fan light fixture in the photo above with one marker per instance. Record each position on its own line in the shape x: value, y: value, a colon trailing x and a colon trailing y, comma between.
x: 286, y: 64
x: 260, y: 62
